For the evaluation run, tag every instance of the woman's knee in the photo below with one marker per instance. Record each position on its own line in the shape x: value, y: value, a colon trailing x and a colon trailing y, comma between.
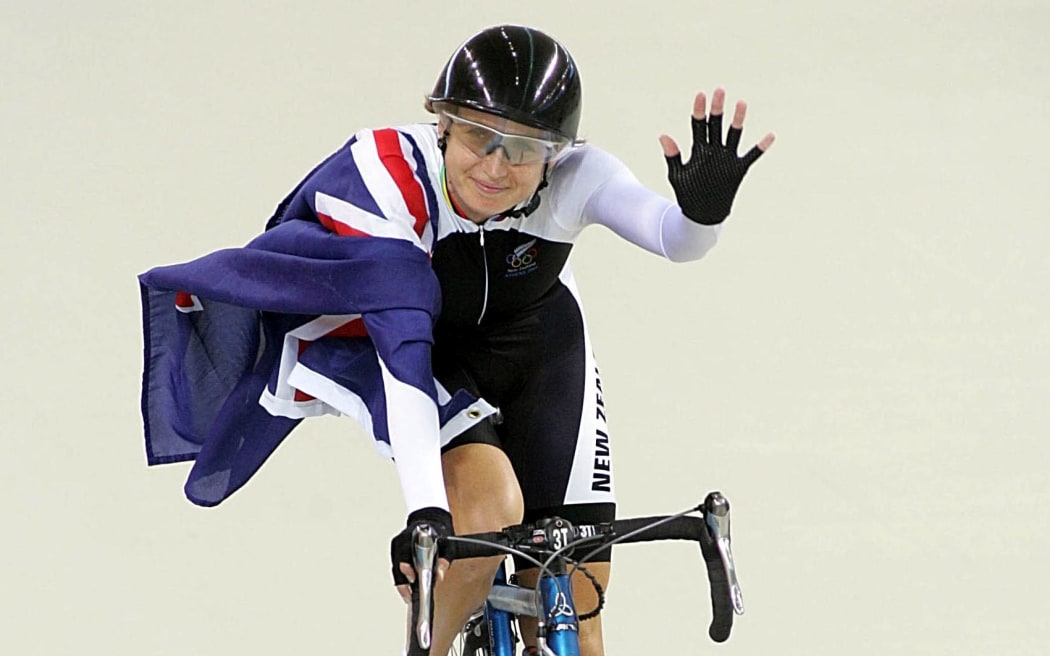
x: 483, y: 492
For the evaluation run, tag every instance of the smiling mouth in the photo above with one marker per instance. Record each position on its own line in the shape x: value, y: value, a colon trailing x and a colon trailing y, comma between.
x: 487, y: 188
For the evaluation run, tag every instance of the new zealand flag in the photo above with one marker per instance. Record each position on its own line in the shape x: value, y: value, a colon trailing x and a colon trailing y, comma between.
x: 233, y: 338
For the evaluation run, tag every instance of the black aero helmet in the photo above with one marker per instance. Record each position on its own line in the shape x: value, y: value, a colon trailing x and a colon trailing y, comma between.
x: 518, y: 73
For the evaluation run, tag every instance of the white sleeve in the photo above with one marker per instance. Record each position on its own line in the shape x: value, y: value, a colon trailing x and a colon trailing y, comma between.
x: 614, y: 198
x: 416, y: 444
x: 649, y: 220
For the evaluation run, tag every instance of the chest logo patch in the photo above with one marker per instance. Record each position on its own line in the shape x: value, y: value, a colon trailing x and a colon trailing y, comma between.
x: 522, y: 260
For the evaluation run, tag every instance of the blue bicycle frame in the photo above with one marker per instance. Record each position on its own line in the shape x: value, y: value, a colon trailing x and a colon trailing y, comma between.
x: 563, y: 635
x: 561, y: 626
x: 501, y: 639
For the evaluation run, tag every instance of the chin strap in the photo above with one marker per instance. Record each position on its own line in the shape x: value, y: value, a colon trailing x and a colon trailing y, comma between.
x: 533, y: 203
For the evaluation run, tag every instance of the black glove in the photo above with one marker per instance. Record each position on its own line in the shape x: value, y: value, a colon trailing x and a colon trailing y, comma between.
x: 401, y: 545
x: 706, y: 185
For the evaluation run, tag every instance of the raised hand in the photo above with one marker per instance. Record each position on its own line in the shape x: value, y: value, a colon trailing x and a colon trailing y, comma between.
x: 706, y: 185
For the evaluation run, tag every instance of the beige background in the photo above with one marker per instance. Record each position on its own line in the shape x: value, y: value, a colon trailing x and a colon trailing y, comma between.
x: 861, y: 365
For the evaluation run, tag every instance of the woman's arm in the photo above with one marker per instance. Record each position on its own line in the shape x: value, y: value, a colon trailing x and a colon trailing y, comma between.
x: 649, y: 220
x: 704, y: 187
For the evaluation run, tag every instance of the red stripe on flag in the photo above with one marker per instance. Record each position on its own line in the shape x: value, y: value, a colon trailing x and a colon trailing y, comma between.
x: 183, y: 300
x: 303, y: 396
x: 340, y: 228
x: 353, y: 328
x: 388, y: 144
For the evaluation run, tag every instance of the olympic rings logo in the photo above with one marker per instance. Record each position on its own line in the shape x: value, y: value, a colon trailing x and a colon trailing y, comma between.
x: 522, y: 260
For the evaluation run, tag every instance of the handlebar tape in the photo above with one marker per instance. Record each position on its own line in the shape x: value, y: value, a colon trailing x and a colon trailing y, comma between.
x: 454, y: 549
x: 692, y: 528
x: 414, y: 648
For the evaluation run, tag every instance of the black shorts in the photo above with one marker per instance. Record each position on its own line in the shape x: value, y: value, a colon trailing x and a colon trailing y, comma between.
x: 537, y: 368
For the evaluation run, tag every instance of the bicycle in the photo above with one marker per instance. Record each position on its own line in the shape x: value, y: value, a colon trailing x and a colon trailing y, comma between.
x: 550, y: 545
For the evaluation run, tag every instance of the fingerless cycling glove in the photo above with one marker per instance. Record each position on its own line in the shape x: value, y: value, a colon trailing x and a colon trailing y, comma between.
x: 706, y: 185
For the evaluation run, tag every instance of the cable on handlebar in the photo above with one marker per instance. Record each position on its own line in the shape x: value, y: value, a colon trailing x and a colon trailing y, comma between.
x: 722, y: 607
x: 544, y: 565
x: 500, y: 547
x: 643, y: 529
x: 577, y: 564
x: 685, y: 528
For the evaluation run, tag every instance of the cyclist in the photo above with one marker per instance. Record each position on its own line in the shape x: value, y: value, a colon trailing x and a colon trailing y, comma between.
x: 519, y: 188
x: 503, y: 418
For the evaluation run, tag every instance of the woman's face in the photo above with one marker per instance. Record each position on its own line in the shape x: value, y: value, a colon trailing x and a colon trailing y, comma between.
x: 483, y: 186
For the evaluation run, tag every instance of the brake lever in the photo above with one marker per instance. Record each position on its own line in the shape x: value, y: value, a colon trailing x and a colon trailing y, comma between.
x: 716, y: 516
x: 424, y: 559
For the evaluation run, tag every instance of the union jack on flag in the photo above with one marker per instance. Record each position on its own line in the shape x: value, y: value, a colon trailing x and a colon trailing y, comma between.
x: 330, y: 310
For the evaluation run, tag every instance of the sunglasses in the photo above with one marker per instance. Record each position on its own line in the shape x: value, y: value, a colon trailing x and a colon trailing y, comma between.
x: 481, y: 140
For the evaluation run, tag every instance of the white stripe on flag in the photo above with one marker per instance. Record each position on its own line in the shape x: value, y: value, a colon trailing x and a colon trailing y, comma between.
x: 381, y: 186
x: 314, y: 329
x: 364, y: 221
